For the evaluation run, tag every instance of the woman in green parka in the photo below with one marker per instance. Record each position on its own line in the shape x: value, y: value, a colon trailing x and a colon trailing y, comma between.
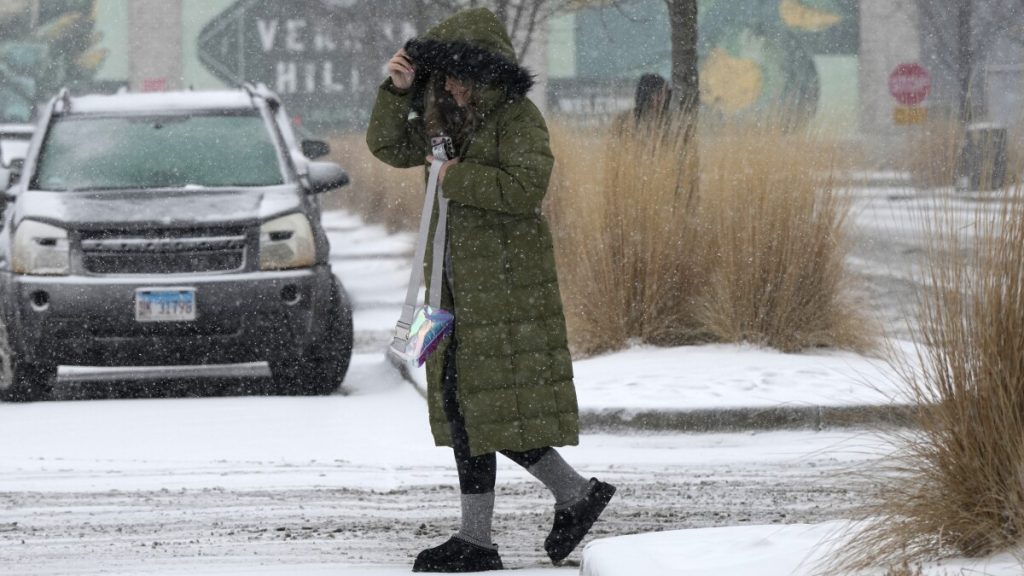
x: 502, y: 382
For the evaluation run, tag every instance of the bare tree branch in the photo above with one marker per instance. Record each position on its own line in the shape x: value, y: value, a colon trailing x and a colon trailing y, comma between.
x: 522, y: 18
x: 936, y: 25
x: 501, y: 11
x: 964, y: 34
x: 536, y: 18
x: 517, y: 19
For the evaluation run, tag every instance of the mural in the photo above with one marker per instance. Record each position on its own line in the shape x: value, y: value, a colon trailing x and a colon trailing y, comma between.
x: 755, y: 55
x: 759, y: 56
x: 44, y: 46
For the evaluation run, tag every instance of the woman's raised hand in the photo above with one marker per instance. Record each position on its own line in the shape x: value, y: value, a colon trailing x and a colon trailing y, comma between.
x: 401, y: 70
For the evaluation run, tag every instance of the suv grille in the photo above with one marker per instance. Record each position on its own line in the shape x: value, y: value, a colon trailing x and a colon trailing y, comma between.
x: 164, y: 251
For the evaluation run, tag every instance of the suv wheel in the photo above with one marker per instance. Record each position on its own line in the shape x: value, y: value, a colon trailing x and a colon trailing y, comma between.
x: 28, y: 382
x: 323, y: 368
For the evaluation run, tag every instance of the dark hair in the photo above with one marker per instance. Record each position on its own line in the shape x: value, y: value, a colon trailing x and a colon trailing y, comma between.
x: 443, y: 116
x: 647, y: 87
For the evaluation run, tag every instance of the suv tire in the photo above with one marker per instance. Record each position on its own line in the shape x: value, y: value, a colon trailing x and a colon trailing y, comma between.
x: 321, y: 371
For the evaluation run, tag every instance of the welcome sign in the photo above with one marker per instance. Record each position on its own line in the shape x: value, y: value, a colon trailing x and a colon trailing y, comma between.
x: 324, y: 58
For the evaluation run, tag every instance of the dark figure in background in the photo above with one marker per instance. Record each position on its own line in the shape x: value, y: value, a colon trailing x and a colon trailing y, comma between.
x: 502, y: 382
x: 651, y: 105
x: 653, y: 96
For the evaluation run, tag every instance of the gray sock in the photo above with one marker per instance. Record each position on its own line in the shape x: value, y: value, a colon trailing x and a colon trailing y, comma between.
x: 563, y: 481
x: 477, y: 512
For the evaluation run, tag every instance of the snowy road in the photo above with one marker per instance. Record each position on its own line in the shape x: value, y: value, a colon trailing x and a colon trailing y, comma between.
x: 889, y: 242
x: 301, y: 485
x: 351, y: 484
x: 216, y: 529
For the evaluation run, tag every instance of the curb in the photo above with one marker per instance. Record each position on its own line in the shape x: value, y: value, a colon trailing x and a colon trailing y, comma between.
x: 726, y: 419
x: 748, y: 419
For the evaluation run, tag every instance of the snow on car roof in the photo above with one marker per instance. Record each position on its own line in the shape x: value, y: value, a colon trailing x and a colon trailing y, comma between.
x: 21, y: 131
x: 161, y: 102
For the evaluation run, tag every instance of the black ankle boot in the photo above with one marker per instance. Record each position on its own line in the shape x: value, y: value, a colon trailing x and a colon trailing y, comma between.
x: 573, y: 523
x: 457, y: 555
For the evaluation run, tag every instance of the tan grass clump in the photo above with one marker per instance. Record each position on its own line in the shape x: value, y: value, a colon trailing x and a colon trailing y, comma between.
x: 628, y: 245
x: 930, y: 152
x: 776, y: 228
x: 379, y: 193
x: 956, y: 484
x: 755, y: 253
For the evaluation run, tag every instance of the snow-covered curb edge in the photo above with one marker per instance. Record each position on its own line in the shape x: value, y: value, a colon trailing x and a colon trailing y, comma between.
x: 724, y: 419
x: 742, y: 419
x: 767, y: 550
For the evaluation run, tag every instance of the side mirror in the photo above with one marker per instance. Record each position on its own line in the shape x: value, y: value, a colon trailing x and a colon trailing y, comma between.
x: 324, y: 176
x: 314, y: 149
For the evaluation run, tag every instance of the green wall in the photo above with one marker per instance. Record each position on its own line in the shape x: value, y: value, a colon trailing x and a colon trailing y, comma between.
x: 195, y: 15
x: 112, y: 25
x: 756, y: 56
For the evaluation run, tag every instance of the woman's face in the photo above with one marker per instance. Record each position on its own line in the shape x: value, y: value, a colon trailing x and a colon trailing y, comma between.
x: 458, y: 91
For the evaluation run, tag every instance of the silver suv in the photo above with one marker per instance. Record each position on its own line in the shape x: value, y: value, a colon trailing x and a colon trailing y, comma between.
x: 170, y: 229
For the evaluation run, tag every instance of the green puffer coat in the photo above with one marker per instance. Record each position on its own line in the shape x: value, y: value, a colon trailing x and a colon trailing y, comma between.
x: 515, y: 384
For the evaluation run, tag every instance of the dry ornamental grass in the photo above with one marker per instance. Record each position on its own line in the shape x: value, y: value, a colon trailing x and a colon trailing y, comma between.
x: 955, y: 486
x: 776, y: 228
x: 627, y: 238
x: 379, y: 193
x: 750, y: 249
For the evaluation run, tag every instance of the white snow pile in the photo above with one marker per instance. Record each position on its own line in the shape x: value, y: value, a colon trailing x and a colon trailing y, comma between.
x: 790, y: 550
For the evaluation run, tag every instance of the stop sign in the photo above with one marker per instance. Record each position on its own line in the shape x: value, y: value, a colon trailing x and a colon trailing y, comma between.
x: 909, y: 84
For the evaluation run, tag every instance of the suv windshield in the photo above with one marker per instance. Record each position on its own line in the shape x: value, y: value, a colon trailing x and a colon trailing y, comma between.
x: 160, y: 151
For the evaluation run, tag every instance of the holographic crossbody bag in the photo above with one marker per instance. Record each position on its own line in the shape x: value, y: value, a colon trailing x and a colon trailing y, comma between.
x: 429, y: 326
x: 422, y: 328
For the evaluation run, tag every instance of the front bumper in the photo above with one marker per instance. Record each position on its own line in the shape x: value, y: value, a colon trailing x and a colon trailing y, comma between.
x: 90, y: 321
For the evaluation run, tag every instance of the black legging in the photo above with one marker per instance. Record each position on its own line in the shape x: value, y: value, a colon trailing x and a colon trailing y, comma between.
x: 476, y: 473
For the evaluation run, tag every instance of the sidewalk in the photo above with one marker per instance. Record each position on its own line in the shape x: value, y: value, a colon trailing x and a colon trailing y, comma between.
x: 712, y: 388
x: 730, y: 388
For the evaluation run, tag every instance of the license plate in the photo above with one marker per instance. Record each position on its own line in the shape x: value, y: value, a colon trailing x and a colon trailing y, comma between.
x: 165, y: 304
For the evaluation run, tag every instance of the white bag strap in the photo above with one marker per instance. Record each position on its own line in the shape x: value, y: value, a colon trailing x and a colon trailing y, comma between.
x: 434, y: 298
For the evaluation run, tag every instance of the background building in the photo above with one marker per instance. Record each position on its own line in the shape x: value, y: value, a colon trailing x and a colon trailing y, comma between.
x: 827, y: 63
x: 757, y: 58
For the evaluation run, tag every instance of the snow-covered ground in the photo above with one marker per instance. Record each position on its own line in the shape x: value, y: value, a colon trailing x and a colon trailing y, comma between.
x: 351, y: 483
x: 889, y: 233
x: 791, y: 550
x: 309, y: 485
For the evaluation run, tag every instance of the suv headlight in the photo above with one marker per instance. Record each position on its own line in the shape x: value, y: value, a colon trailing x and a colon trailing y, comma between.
x: 41, y: 249
x: 287, y: 242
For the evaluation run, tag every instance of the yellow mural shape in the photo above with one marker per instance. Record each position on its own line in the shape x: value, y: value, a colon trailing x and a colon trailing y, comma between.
x: 796, y: 15
x: 61, y: 26
x: 92, y: 59
x: 728, y: 83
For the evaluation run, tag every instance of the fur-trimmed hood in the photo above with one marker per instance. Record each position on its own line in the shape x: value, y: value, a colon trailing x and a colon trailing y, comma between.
x: 472, y: 44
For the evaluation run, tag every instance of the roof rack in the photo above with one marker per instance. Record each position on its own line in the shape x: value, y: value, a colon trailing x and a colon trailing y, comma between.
x: 64, y: 101
x: 261, y: 91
